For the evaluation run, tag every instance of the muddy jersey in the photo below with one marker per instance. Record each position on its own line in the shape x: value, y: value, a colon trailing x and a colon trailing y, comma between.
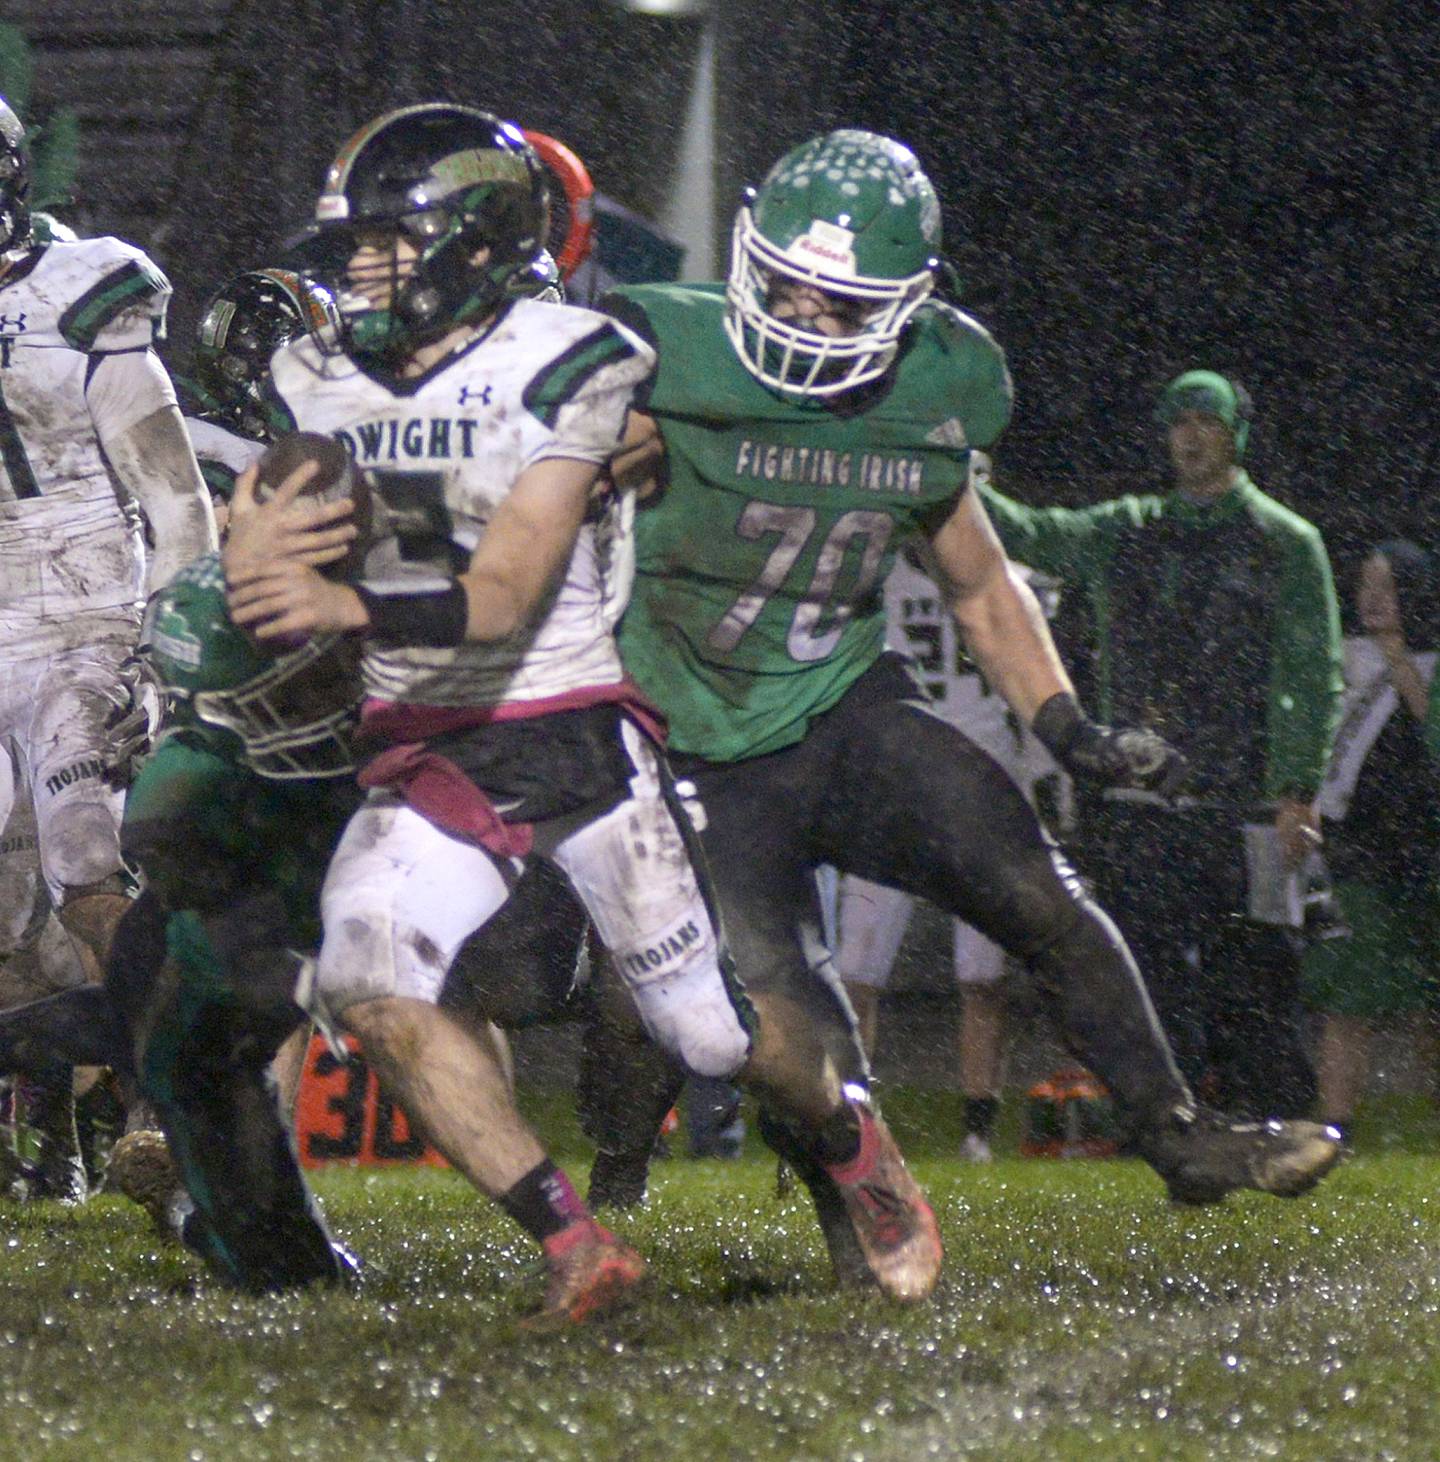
x: 759, y: 570
x: 71, y: 560
x: 445, y: 449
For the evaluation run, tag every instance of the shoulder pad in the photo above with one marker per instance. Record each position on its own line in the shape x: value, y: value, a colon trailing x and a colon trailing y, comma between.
x: 119, y: 297
x: 605, y: 344
x: 963, y: 370
x: 958, y: 330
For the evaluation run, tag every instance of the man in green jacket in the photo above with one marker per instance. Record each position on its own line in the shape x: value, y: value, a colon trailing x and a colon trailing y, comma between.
x: 1213, y: 622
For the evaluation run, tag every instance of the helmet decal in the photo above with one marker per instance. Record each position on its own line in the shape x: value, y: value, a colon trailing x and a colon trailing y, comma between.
x: 464, y: 169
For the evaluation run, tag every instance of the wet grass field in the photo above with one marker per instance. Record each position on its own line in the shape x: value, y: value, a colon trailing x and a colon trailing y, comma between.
x: 1080, y: 1316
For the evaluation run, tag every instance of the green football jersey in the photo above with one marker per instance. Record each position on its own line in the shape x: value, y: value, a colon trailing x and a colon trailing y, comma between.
x: 759, y: 570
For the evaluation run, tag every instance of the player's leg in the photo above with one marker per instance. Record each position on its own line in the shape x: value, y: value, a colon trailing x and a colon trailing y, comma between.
x: 77, y: 808
x: 788, y: 1034
x: 524, y: 966
x: 979, y: 972
x: 1158, y: 876
x: 628, y: 1082
x: 919, y: 804
x: 400, y: 898
x: 212, y: 1019
x: 871, y: 921
x: 38, y: 958
x: 1256, y: 1013
x: 201, y: 977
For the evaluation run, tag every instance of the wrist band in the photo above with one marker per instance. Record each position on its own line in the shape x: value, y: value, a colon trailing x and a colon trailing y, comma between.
x: 1057, y: 723
x: 434, y: 617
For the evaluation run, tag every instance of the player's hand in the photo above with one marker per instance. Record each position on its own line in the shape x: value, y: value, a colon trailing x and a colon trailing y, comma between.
x: 287, y: 600
x: 285, y: 526
x: 1115, y: 756
x: 1376, y: 600
x: 1297, y: 829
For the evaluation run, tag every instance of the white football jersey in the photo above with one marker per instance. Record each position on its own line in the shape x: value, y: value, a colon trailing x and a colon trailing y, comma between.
x: 71, y: 557
x: 920, y: 626
x: 446, y: 448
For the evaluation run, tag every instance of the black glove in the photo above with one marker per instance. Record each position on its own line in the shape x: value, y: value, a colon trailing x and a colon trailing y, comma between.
x: 1115, y: 756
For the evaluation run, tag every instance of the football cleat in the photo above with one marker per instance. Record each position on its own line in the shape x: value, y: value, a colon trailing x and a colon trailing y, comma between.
x: 142, y: 1169
x: 1202, y: 1156
x: 590, y: 1272
x: 889, y: 1216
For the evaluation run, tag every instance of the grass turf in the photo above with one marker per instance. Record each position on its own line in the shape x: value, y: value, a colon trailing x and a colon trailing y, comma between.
x: 1079, y: 1316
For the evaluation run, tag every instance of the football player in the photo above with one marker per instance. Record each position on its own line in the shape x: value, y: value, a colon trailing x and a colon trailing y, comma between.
x: 484, y: 421
x: 242, y: 325
x: 487, y: 612
x: 233, y: 820
x: 89, y: 432
x: 817, y: 411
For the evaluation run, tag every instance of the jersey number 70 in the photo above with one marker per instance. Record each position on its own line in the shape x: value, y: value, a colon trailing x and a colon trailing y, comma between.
x: 795, y: 525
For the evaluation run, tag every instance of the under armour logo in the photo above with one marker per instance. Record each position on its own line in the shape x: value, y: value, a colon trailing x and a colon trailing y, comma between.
x: 16, y: 324
x: 482, y: 395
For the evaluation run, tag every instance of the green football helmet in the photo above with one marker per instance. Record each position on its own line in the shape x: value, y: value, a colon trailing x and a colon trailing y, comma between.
x: 292, y: 713
x: 850, y: 213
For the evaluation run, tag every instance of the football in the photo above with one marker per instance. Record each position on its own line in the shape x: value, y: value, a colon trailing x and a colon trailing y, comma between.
x: 336, y: 477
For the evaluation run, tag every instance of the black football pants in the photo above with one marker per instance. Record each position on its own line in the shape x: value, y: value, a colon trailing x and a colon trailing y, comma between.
x: 884, y: 788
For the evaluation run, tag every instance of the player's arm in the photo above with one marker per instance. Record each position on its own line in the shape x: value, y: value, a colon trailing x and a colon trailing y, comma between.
x: 524, y: 548
x: 999, y: 617
x: 1379, y: 605
x: 145, y: 442
x: 638, y: 465
x: 1005, y: 632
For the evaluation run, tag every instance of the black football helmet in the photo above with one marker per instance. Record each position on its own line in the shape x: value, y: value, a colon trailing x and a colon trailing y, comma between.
x: 14, y: 182
x: 243, y: 324
x: 453, y: 180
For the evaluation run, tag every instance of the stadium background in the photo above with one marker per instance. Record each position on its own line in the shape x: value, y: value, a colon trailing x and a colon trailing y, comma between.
x: 1129, y: 188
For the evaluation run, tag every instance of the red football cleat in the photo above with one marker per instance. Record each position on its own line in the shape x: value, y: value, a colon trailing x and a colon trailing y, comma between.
x: 590, y: 1270
x: 893, y: 1224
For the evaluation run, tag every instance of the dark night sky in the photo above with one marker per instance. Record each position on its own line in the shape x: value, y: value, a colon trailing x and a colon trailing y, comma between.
x: 1130, y: 187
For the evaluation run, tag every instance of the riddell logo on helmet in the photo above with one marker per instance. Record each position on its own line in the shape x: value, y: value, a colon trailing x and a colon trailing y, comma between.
x: 827, y: 242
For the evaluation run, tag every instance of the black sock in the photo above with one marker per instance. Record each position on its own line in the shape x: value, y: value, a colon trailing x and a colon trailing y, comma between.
x: 543, y: 1202
x: 980, y: 1114
x: 838, y: 1140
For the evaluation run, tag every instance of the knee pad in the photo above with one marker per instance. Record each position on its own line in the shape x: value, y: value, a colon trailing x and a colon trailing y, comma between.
x: 80, y: 847
x: 693, y: 1014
